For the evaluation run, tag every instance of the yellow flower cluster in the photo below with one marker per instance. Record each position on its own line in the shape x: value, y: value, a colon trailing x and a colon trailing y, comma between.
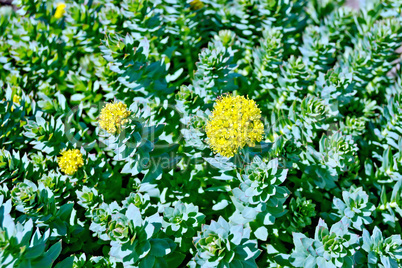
x: 196, y: 4
x: 16, y: 99
x: 60, y: 10
x: 113, y: 117
x: 70, y: 161
x: 235, y: 122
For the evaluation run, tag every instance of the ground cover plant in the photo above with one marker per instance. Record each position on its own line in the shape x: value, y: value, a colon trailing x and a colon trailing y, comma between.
x: 202, y: 133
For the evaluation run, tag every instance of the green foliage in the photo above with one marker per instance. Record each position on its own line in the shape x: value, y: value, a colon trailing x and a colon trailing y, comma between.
x: 355, y: 206
x: 134, y: 241
x: 325, y: 76
x: 300, y: 213
x: 182, y: 222
x: 22, y: 246
x: 382, y: 252
x: 332, y: 247
x: 221, y: 244
x: 260, y: 196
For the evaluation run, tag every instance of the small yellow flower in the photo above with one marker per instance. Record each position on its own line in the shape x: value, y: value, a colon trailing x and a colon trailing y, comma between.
x: 235, y: 122
x: 196, y: 4
x: 60, y: 10
x: 113, y: 117
x: 16, y: 99
x: 70, y: 161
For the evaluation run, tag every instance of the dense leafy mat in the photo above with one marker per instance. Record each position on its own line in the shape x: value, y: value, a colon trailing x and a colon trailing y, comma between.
x: 213, y: 133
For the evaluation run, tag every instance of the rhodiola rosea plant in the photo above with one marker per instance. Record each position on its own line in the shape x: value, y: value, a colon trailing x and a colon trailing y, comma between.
x: 200, y: 133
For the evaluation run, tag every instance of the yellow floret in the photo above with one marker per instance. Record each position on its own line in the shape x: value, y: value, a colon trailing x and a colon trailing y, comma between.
x: 235, y: 122
x: 16, y: 99
x: 60, y: 10
x: 196, y: 4
x: 113, y: 117
x: 70, y: 161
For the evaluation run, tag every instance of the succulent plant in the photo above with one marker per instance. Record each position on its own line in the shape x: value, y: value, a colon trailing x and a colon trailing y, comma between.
x: 23, y: 246
x: 24, y: 195
x: 260, y: 192
x: 333, y: 247
x: 299, y: 214
x: 355, y: 206
x: 135, y: 241
x: 101, y: 216
x: 182, y: 221
x: 141, y: 201
x: 382, y: 252
x: 88, y: 197
x: 82, y: 261
x: 336, y: 157
x: 222, y: 244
